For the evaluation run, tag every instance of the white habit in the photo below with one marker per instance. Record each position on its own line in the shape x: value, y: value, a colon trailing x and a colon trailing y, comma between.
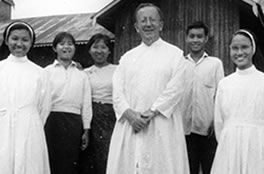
x: 24, y: 106
x: 239, y: 123
x: 149, y: 77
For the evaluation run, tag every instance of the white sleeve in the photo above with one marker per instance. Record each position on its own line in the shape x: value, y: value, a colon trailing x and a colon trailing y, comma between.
x: 44, y: 103
x: 86, y: 110
x: 120, y: 103
x: 174, y: 91
x: 218, y: 113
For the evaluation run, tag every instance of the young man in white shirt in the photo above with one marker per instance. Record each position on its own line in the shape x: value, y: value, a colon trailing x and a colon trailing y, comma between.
x: 208, y: 71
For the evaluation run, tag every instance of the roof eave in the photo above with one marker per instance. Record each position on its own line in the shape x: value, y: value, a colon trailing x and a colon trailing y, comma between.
x: 106, y: 8
x: 11, y: 2
x: 104, y: 18
x: 250, y: 2
x: 48, y: 44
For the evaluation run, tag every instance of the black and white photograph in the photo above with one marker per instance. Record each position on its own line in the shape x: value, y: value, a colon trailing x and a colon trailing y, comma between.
x: 131, y: 86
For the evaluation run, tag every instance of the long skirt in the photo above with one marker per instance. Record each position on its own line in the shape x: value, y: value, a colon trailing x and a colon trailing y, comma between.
x: 94, y: 159
x: 241, y: 148
x: 63, y: 134
x: 23, y: 147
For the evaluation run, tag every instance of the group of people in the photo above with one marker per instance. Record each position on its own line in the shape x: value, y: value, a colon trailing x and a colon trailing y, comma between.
x: 48, y: 116
x: 157, y: 112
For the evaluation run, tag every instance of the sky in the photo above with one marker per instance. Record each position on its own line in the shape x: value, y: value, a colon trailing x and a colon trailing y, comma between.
x: 35, y: 8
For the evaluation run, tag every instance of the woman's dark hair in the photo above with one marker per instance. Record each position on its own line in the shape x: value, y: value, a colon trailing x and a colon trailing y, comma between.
x: 60, y: 36
x: 16, y: 25
x: 97, y: 37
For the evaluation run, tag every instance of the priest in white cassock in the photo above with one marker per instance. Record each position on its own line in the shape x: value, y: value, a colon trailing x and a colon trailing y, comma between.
x: 148, y: 94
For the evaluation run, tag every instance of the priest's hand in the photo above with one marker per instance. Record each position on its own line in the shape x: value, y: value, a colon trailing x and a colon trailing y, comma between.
x: 85, y: 139
x: 148, y: 115
x: 135, y: 120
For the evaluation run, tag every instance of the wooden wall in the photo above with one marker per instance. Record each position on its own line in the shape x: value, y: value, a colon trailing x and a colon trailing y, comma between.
x: 5, y: 11
x: 222, y: 17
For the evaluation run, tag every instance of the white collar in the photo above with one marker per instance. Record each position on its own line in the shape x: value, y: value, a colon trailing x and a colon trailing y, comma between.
x: 154, y: 44
x: 205, y: 55
x: 57, y: 63
x: 249, y: 70
x: 13, y: 58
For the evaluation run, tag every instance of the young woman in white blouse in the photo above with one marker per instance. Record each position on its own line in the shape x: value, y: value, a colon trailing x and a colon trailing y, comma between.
x: 100, y: 76
x: 24, y: 105
x: 239, y: 112
x: 68, y: 123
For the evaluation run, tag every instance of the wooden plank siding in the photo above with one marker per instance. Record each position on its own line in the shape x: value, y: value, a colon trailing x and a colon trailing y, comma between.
x: 5, y: 11
x: 222, y: 17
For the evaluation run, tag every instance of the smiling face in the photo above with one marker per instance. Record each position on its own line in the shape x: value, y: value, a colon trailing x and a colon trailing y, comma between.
x: 196, y: 40
x: 148, y: 24
x: 241, y: 51
x: 19, y: 42
x: 65, y: 49
x: 99, y: 52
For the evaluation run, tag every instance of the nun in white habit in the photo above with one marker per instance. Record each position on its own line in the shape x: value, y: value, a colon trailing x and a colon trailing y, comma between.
x: 239, y: 112
x: 24, y: 105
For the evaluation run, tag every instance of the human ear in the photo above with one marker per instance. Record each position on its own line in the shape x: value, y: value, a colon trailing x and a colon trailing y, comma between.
x: 161, y: 25
x: 54, y: 49
x: 136, y: 27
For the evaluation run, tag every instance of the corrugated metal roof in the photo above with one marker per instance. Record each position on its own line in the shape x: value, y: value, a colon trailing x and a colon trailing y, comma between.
x: 79, y: 25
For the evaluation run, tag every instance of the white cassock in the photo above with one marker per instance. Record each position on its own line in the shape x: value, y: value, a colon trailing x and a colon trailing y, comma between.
x: 149, y: 77
x: 239, y: 123
x: 24, y: 106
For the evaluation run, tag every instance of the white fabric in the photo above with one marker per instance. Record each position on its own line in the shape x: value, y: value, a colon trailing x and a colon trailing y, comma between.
x: 208, y: 71
x: 149, y: 77
x: 24, y: 106
x: 101, y: 82
x: 70, y: 91
x: 239, y: 123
